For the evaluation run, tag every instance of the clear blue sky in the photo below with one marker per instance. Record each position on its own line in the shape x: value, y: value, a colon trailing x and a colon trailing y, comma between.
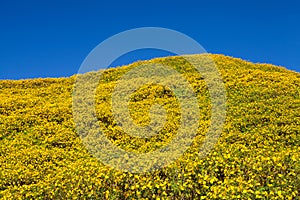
x: 51, y: 38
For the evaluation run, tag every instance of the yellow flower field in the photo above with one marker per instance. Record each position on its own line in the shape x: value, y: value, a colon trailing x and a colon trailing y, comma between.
x: 256, y: 157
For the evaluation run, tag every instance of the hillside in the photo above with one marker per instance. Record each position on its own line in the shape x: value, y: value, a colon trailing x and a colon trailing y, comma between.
x: 256, y: 157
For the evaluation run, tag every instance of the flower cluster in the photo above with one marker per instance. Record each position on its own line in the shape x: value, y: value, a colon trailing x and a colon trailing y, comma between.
x: 256, y: 157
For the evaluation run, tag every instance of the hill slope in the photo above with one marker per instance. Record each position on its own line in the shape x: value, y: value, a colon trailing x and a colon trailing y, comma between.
x: 257, y: 155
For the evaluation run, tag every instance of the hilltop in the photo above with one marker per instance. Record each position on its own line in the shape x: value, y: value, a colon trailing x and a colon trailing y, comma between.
x: 256, y: 156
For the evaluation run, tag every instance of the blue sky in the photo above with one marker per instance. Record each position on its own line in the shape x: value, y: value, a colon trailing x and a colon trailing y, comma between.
x: 52, y: 38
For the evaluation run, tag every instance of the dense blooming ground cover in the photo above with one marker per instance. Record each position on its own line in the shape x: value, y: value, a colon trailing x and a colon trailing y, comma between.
x: 256, y: 157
